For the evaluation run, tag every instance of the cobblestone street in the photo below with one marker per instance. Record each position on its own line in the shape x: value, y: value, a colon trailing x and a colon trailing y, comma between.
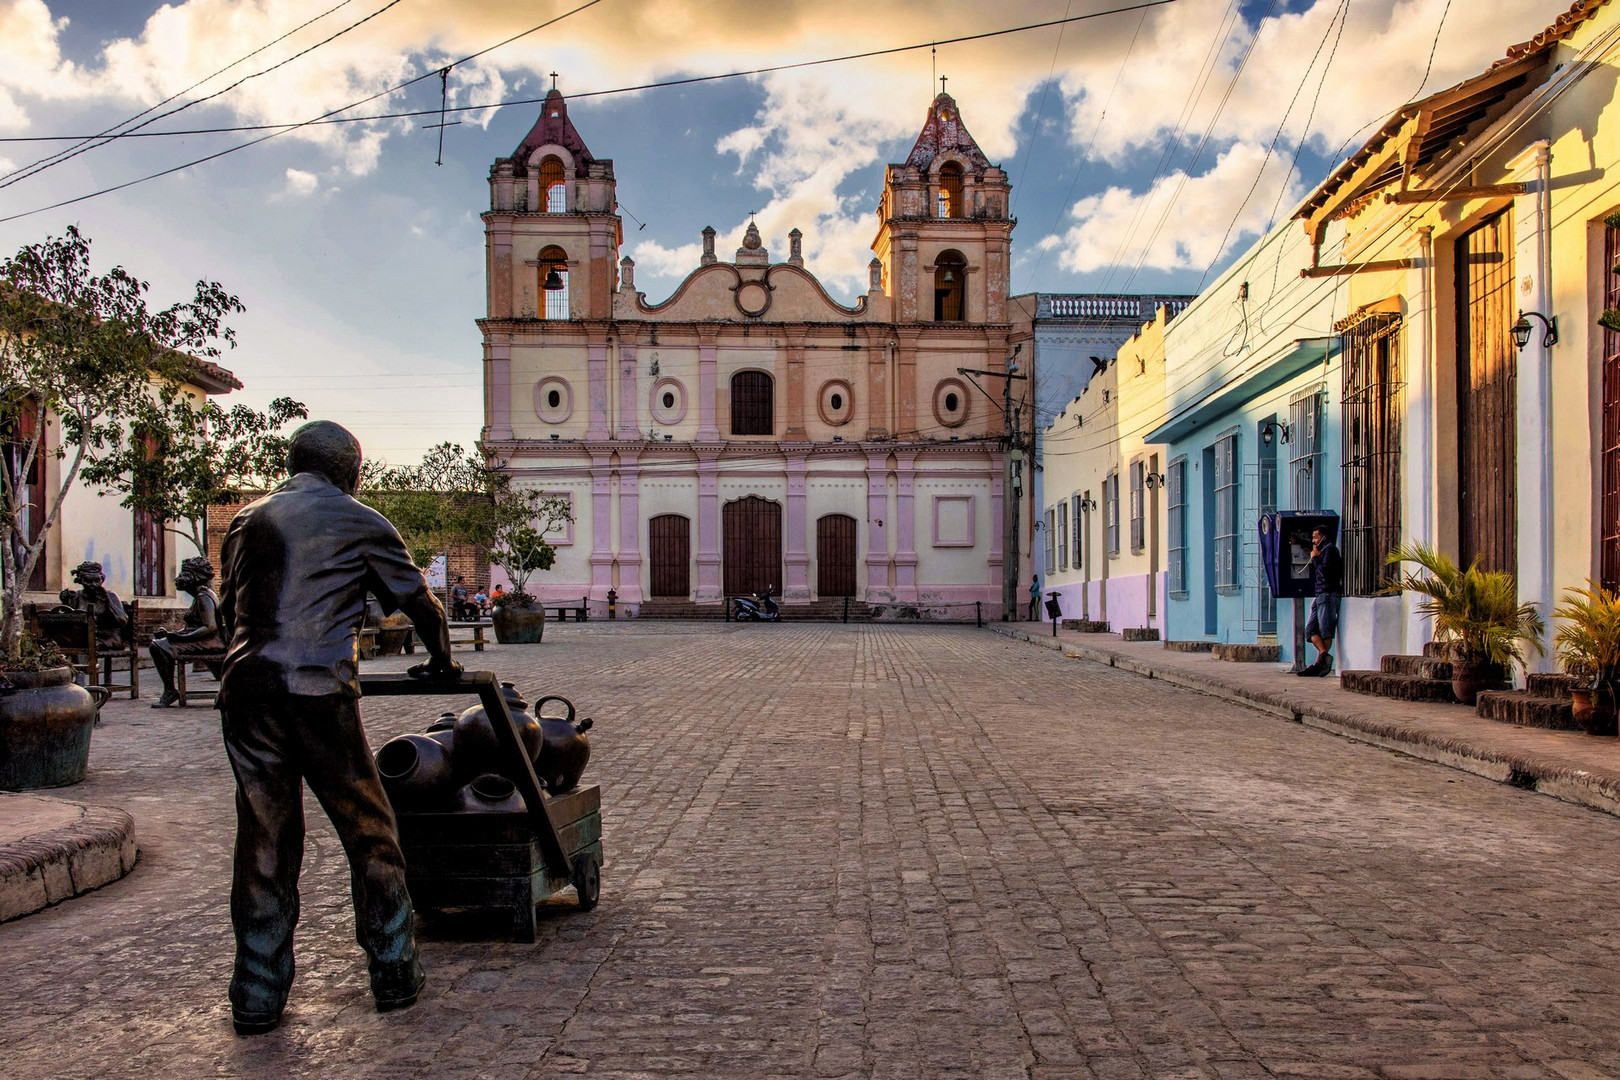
x: 887, y: 852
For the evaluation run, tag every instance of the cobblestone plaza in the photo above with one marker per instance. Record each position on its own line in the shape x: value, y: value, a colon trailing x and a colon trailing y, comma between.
x: 886, y: 852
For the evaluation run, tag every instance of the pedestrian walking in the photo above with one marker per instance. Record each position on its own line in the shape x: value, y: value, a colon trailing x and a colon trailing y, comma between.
x: 1034, y: 597
x: 297, y: 566
x: 1327, y: 572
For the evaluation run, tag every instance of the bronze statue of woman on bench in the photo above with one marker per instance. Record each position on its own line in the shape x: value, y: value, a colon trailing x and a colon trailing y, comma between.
x: 202, y: 635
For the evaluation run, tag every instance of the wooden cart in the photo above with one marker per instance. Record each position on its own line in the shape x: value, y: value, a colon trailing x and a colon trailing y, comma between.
x: 492, y: 860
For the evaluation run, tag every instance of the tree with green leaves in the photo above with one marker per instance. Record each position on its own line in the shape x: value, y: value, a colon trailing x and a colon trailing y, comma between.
x: 524, y: 518
x: 189, y: 454
x: 80, y: 355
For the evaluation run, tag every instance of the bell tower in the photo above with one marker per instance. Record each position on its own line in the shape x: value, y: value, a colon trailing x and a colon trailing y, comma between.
x: 552, y: 232
x: 944, y: 236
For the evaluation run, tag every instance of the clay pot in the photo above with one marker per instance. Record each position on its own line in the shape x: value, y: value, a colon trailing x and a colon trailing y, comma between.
x: 567, y: 751
x: 417, y: 773
x: 491, y: 793
x: 519, y: 624
x: 477, y: 750
x: 45, y: 728
x: 1594, y: 710
x: 1469, y: 677
x: 392, y: 630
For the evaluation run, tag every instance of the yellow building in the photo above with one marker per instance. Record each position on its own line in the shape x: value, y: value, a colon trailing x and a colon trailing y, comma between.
x: 1476, y: 224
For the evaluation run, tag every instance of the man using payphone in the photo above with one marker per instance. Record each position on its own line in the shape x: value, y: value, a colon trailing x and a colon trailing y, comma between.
x: 1327, y: 574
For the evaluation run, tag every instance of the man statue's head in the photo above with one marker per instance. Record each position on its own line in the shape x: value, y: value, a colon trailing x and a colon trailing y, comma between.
x: 195, y: 573
x: 89, y: 574
x: 328, y: 449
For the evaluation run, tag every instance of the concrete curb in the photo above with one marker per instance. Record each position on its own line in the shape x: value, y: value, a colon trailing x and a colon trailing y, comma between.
x: 1595, y: 789
x: 95, y: 847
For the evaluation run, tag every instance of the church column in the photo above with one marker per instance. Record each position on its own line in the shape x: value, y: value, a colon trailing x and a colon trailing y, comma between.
x: 795, y: 556
x: 597, y: 371
x: 905, y: 519
x: 500, y: 276
x: 601, y: 524
x: 795, y: 392
x: 629, y: 421
x: 708, y: 428
x: 629, y: 585
x: 877, y: 514
x: 708, y: 557
x: 998, y: 496
x: 498, y: 392
x: 877, y: 392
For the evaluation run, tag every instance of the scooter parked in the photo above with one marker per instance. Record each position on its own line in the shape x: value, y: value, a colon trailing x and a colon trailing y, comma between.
x: 756, y: 608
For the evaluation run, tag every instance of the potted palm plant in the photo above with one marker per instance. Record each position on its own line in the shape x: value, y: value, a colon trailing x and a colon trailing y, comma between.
x: 1588, y: 646
x: 1476, y: 612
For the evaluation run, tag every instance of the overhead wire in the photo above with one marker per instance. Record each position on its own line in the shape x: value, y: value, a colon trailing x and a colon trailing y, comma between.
x: 1040, y: 110
x: 105, y: 138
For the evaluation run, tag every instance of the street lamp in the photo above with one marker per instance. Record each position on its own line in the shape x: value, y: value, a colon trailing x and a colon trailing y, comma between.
x: 1521, y: 330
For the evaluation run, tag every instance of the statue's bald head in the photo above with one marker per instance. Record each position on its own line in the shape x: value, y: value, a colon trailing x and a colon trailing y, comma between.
x: 323, y: 447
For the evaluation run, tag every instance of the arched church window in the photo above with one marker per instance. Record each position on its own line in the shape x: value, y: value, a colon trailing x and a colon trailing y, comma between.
x: 950, y: 191
x: 553, y: 186
x: 753, y: 404
x: 950, y: 274
x: 553, y: 269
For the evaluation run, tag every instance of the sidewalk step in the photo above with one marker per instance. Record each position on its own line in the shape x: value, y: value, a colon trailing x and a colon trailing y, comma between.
x: 1526, y: 709
x: 1397, y: 687
x: 1437, y: 650
x: 1426, y: 667
x: 1140, y: 633
x: 1248, y: 654
x: 1085, y: 626
x: 1552, y: 685
x: 1189, y: 646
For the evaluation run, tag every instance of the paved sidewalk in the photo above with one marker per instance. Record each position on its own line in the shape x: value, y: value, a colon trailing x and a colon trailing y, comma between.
x: 52, y: 849
x: 1567, y: 765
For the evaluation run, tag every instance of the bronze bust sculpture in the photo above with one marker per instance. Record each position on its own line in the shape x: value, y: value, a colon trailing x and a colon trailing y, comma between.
x: 297, y: 565
x: 201, y: 635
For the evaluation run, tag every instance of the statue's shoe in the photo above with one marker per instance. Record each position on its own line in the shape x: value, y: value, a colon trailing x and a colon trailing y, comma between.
x: 397, y: 986
x: 253, y: 1023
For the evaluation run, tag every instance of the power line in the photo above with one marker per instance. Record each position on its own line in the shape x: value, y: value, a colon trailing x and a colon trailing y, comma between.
x: 293, y: 127
x: 240, y: 60
x: 93, y: 144
x: 1040, y: 109
x: 333, y: 118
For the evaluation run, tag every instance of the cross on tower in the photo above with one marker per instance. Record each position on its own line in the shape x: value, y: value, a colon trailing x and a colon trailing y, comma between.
x: 554, y: 80
x: 942, y: 79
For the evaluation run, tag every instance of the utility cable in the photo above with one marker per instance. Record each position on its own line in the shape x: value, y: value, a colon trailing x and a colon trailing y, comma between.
x: 92, y: 144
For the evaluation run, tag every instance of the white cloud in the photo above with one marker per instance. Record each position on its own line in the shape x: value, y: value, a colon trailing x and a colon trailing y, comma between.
x: 301, y: 183
x: 1122, y: 227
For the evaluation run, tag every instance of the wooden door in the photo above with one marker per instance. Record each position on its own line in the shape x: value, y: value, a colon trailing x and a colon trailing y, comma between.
x: 1487, y: 398
x: 1609, y: 448
x: 752, y: 529
x: 669, y: 551
x: 835, y: 555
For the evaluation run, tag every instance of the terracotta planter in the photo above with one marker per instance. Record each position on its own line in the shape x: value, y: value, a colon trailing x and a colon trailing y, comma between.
x: 1594, y: 710
x: 44, y: 730
x: 1469, y: 677
x: 391, y: 634
x: 519, y: 624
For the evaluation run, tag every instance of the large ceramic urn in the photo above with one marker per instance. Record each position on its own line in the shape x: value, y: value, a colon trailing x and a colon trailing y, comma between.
x: 45, y: 728
x: 519, y: 623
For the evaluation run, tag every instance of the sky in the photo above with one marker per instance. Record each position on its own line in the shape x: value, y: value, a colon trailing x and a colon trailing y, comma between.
x: 1147, y: 148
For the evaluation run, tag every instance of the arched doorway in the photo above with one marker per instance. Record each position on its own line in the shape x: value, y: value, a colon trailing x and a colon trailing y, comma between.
x: 669, y: 555
x: 752, y: 531
x: 835, y: 555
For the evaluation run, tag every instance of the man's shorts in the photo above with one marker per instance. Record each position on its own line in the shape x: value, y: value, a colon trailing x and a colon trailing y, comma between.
x: 1324, y: 620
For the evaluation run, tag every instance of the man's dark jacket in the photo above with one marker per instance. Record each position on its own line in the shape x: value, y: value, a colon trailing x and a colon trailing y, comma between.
x: 296, y: 566
x: 1327, y: 566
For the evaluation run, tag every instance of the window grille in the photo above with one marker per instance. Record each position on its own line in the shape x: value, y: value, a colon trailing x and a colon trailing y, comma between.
x: 1063, y: 535
x: 1227, y: 512
x: 1177, y: 482
x: 1609, y: 460
x: 1079, y: 532
x: 1138, y: 507
x: 557, y: 198
x: 557, y: 300
x: 1051, y: 548
x: 1111, y: 502
x: 753, y: 408
x: 1306, y: 416
x: 1372, y: 450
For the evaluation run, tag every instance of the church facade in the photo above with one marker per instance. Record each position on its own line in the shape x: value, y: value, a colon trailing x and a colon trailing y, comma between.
x: 749, y: 431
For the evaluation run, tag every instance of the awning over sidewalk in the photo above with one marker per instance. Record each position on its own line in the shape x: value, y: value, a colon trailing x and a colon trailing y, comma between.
x: 1299, y: 358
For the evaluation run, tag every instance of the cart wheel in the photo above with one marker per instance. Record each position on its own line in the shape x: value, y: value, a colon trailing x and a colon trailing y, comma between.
x: 587, y: 880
